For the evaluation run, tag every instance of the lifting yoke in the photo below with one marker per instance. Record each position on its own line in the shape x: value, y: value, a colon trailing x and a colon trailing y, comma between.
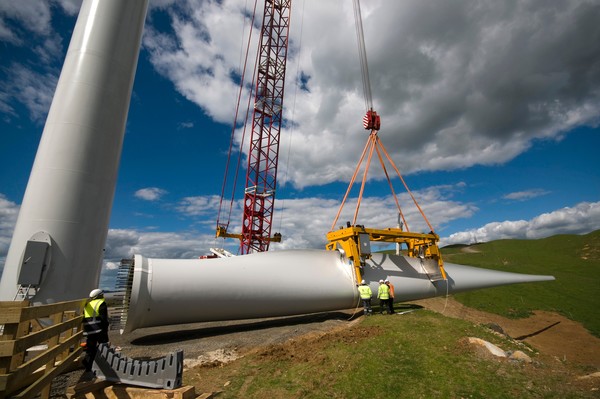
x: 354, y: 240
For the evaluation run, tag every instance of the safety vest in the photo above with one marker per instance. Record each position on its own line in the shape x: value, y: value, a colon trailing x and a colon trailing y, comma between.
x: 391, y: 289
x: 365, y: 291
x: 384, y: 292
x: 92, y: 323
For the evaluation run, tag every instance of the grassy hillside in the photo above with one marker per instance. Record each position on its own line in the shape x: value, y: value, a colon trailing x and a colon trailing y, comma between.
x: 574, y: 260
x: 416, y: 355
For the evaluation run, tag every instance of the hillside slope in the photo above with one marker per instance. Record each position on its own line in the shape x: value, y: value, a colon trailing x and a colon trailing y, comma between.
x: 573, y: 259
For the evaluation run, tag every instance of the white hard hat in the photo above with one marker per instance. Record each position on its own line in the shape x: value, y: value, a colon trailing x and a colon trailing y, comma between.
x: 380, y: 281
x: 387, y: 281
x: 96, y: 292
x: 363, y: 282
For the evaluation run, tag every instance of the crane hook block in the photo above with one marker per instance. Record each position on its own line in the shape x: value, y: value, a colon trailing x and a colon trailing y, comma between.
x: 371, y: 120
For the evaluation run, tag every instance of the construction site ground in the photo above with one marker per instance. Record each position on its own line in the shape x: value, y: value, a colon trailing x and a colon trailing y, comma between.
x: 557, y: 339
x: 550, y: 333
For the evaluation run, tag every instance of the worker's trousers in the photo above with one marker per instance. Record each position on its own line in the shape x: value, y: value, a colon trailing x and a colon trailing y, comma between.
x: 367, y: 306
x: 384, y: 304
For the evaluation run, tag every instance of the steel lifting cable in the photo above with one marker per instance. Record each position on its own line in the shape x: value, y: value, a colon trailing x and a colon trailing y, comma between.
x: 375, y: 140
x: 406, y: 186
x: 293, y: 115
x: 372, y: 140
x: 352, y: 180
x: 362, y: 55
x: 387, y: 176
x: 237, y: 107
x: 368, y: 97
x: 372, y: 143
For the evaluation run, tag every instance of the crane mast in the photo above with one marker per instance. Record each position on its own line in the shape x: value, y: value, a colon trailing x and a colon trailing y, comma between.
x: 261, y: 177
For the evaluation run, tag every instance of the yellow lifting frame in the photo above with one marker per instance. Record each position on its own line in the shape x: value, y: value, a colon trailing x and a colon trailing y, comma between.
x: 420, y: 245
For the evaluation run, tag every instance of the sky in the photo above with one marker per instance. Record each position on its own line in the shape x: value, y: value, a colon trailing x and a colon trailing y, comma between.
x: 490, y: 109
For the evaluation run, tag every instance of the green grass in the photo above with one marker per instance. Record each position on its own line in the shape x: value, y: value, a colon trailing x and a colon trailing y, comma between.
x: 416, y: 355
x: 574, y: 260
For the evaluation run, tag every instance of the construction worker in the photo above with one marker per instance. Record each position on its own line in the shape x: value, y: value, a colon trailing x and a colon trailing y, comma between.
x: 95, y: 325
x: 383, y: 294
x: 391, y: 300
x: 365, y: 294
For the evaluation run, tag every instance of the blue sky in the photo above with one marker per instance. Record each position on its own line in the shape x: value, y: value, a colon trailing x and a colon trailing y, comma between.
x: 490, y: 109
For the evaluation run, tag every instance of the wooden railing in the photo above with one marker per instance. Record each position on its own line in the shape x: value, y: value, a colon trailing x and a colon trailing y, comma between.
x: 56, y: 328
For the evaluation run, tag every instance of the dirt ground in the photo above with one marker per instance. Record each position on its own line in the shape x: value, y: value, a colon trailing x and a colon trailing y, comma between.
x: 225, y: 341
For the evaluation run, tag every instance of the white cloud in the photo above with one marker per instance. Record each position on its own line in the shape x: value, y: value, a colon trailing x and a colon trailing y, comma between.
x: 526, y: 195
x: 8, y: 217
x: 582, y: 218
x: 186, y: 125
x: 34, y: 16
x: 160, y: 3
x: 111, y: 266
x: 6, y: 34
x: 32, y: 79
x: 203, y: 55
x: 150, y: 193
x: 125, y: 243
x: 199, y: 206
x: 457, y: 83
x: 71, y: 7
x: 31, y: 88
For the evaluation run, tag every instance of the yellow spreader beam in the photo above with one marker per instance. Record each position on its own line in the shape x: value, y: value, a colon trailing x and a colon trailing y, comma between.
x: 355, y: 242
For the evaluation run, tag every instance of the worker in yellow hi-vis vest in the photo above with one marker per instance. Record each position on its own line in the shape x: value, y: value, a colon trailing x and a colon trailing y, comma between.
x: 383, y: 294
x: 365, y: 295
x: 95, y: 325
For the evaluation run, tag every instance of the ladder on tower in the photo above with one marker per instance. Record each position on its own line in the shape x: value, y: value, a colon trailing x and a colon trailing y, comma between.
x: 25, y: 291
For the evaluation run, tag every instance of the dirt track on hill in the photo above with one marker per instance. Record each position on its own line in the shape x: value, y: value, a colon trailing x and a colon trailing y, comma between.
x: 548, y: 332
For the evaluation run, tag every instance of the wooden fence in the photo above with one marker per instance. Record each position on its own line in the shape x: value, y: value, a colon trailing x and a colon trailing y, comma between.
x: 56, y: 328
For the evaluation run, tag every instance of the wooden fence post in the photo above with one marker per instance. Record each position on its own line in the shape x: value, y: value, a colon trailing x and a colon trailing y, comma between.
x: 14, y: 328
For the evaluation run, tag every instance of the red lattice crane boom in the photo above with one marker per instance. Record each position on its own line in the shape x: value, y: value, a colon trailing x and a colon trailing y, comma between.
x: 261, y: 175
